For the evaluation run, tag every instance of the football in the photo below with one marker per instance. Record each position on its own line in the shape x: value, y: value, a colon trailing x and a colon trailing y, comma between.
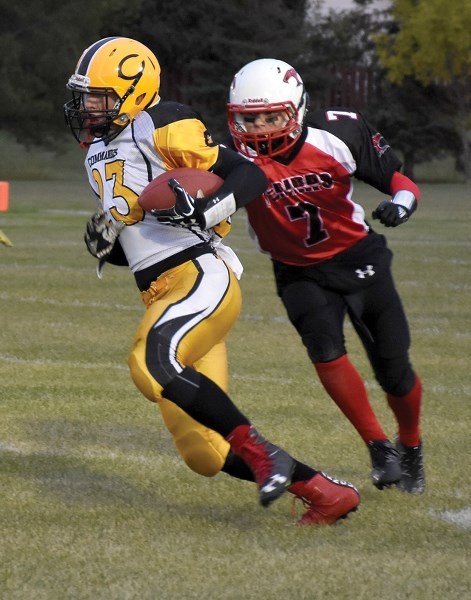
x: 158, y: 193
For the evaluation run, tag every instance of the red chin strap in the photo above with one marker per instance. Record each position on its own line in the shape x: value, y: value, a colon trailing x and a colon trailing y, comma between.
x: 85, y: 144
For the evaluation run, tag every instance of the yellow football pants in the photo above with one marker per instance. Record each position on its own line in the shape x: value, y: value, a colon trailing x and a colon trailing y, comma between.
x: 190, y: 310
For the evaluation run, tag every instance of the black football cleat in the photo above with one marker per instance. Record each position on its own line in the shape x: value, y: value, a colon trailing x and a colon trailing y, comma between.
x: 411, y: 459
x: 386, y: 464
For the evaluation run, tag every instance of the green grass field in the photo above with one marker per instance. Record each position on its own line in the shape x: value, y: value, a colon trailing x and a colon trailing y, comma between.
x: 95, y: 502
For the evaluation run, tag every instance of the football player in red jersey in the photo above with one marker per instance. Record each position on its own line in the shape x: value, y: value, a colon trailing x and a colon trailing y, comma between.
x: 187, y: 277
x: 327, y: 259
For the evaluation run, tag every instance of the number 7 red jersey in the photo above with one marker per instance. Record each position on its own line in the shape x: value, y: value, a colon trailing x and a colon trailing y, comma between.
x: 307, y: 213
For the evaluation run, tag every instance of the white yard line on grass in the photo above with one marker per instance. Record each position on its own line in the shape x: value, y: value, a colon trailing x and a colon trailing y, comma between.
x: 28, y: 449
x: 72, y: 303
x: 461, y: 517
x: 47, y: 362
x: 8, y: 358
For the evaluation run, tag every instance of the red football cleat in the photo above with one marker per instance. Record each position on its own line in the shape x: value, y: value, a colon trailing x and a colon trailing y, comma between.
x: 327, y: 500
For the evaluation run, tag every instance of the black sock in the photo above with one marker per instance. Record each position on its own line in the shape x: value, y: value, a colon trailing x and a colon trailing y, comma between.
x: 302, y: 472
x: 236, y: 467
x: 204, y: 401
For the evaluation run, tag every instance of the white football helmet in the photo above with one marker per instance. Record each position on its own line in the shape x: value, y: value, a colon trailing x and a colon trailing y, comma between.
x: 266, y: 85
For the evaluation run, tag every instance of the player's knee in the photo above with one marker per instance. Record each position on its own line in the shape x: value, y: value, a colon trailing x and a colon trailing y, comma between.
x: 400, y: 388
x: 323, y: 348
x: 396, y: 377
x: 202, y: 456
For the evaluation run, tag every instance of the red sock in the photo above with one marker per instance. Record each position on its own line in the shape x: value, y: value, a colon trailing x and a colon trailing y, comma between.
x: 406, y: 409
x: 238, y: 436
x: 346, y: 388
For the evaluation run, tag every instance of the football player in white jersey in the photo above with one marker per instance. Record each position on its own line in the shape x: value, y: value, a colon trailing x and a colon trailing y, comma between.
x: 189, y: 286
x: 327, y: 259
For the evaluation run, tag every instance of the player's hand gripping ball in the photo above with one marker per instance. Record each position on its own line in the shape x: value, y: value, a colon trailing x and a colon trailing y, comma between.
x: 172, y: 197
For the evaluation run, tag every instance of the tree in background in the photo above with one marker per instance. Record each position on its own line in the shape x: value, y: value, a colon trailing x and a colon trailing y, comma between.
x: 338, y: 62
x: 432, y: 45
x: 343, y: 69
x: 39, y: 48
x: 416, y: 120
x: 200, y: 46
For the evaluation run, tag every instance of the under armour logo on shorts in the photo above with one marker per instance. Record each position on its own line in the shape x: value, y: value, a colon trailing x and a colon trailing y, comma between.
x: 367, y: 271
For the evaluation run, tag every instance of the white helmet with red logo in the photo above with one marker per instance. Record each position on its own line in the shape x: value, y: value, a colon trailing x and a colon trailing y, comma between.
x: 266, y: 85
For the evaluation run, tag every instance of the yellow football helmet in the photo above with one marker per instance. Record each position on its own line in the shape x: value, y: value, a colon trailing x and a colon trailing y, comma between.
x: 115, y: 79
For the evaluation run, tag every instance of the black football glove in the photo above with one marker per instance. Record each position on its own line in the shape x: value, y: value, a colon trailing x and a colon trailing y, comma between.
x: 392, y: 213
x: 389, y: 214
x: 100, y: 236
x: 184, y: 212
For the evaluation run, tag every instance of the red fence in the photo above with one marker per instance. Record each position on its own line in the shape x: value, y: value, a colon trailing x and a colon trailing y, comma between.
x: 351, y: 87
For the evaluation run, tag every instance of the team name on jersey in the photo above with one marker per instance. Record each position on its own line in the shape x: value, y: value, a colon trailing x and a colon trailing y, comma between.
x: 290, y: 186
x: 105, y: 155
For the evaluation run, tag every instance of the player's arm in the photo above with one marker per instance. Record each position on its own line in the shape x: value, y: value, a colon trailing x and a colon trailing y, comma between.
x: 243, y: 182
x: 117, y: 256
x: 374, y: 160
x: 376, y: 164
x: 404, y: 197
x: 183, y: 140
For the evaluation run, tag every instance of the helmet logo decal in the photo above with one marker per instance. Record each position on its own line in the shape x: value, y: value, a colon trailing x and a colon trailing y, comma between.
x: 292, y: 73
x: 134, y: 77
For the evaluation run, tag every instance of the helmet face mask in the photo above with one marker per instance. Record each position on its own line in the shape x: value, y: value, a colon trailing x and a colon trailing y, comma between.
x: 267, y: 142
x: 266, y: 86
x: 115, y: 79
x: 92, y: 115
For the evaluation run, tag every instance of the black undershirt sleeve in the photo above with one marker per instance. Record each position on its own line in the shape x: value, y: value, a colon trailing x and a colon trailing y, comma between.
x: 242, y: 177
x: 117, y: 256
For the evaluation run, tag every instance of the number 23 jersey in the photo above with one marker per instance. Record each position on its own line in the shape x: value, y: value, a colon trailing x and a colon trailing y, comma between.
x: 307, y: 214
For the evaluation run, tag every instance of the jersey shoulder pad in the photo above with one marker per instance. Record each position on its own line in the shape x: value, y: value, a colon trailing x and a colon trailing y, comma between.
x: 167, y: 111
x: 376, y: 162
x: 345, y: 123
